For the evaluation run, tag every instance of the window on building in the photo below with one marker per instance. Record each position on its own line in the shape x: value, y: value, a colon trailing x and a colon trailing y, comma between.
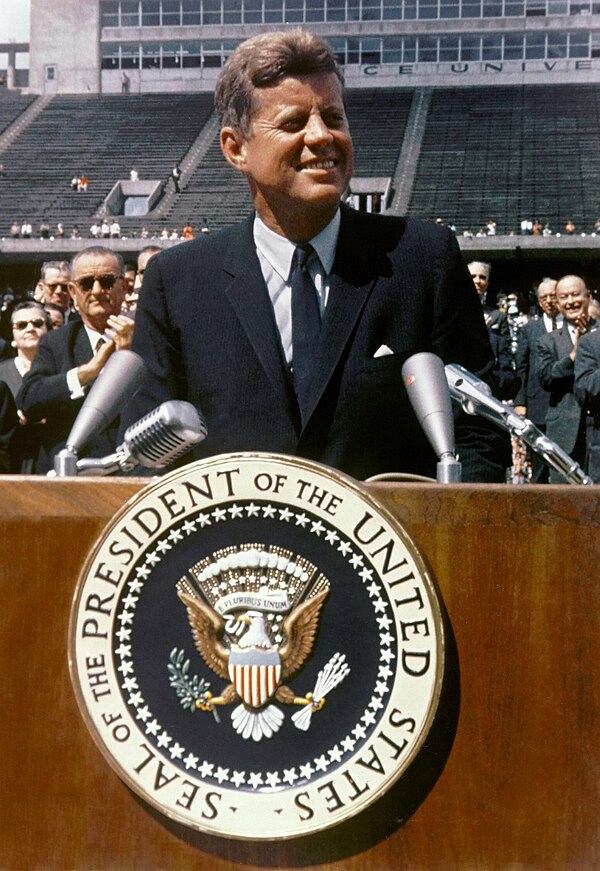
x: 449, y: 48
x: 392, y: 10
x: 513, y: 46
x: 449, y: 9
x: 130, y: 13
x: 427, y: 51
x: 109, y: 14
x: 315, y: 10
x: 470, y: 47
x: 190, y: 12
x: 171, y: 55
x: 232, y: 11
x: 150, y: 55
x: 579, y: 45
x: 130, y: 56
x: 557, y: 45
x: 150, y: 13
x: 391, y: 50
x: 335, y: 10
x: 171, y: 13
x: 370, y: 50
x: 273, y: 12
x: 491, y: 46
x: 190, y: 54
x: 110, y: 56
x: 535, y: 46
x: 428, y: 9
x: 514, y: 7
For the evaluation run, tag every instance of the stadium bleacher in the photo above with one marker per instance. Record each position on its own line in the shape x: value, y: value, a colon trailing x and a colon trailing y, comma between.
x: 501, y: 152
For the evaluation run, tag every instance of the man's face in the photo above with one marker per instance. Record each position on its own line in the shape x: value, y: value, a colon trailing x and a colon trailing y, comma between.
x: 480, y: 276
x: 54, y: 288
x: 547, y: 298
x: 298, y: 157
x: 572, y: 297
x: 97, y: 289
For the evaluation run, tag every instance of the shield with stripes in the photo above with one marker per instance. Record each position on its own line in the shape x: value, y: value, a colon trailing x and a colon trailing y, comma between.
x: 255, y: 674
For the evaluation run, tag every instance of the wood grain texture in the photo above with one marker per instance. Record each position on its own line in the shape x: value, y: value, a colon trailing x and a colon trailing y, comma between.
x: 517, y: 569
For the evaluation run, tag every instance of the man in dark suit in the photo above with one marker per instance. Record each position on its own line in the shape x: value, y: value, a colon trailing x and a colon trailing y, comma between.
x: 300, y: 352
x: 555, y: 366
x: 495, y: 320
x: 69, y: 360
x: 587, y: 392
x: 532, y: 400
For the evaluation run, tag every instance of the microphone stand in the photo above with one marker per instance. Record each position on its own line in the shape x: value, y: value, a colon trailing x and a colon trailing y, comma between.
x: 474, y: 396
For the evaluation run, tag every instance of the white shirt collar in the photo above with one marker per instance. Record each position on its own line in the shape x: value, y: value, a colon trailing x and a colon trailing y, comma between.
x: 279, y: 251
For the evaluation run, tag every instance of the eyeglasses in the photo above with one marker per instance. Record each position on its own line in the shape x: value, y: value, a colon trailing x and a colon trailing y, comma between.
x: 59, y: 285
x: 86, y: 283
x: 35, y: 322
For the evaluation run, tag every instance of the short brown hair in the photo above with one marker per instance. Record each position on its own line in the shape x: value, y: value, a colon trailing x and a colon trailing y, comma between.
x: 262, y: 61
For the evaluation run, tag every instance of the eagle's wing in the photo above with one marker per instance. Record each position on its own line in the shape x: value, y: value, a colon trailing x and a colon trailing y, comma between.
x: 300, y: 628
x: 207, y: 627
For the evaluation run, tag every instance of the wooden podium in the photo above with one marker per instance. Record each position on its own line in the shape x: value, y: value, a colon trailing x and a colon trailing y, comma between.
x: 517, y: 568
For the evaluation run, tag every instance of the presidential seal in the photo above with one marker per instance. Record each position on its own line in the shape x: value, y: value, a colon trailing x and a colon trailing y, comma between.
x: 257, y: 647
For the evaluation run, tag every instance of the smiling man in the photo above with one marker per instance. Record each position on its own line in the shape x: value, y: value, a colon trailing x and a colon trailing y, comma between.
x: 555, y: 366
x: 289, y: 331
x: 69, y: 360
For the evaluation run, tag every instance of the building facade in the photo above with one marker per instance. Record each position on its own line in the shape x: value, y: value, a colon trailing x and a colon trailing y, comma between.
x: 138, y: 46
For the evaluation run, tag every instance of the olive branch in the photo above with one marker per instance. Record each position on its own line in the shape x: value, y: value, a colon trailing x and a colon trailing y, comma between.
x: 188, y: 689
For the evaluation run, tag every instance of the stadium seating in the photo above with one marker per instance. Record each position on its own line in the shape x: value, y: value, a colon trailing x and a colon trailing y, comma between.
x: 501, y: 152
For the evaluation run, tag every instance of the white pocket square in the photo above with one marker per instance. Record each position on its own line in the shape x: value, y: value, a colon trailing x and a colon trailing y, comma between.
x: 383, y: 351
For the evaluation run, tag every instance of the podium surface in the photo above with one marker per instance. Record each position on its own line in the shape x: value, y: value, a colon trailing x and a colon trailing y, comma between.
x: 517, y: 570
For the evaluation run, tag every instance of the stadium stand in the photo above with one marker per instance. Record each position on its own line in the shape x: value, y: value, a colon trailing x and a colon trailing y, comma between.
x: 511, y: 153
x: 12, y: 105
x: 505, y: 152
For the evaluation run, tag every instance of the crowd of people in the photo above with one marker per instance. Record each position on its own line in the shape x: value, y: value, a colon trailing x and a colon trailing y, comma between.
x: 289, y: 331
x: 545, y: 369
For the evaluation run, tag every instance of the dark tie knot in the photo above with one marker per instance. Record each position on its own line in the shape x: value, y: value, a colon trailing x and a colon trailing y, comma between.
x: 302, y: 255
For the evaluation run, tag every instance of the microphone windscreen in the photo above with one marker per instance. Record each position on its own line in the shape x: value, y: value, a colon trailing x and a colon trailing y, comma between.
x: 121, y: 376
x: 425, y: 380
x: 165, y: 434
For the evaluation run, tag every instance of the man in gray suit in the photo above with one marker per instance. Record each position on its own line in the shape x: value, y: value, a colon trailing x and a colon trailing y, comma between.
x: 555, y: 366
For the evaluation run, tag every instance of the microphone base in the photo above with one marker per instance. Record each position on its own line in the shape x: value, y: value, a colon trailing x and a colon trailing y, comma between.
x: 449, y: 471
x: 65, y: 463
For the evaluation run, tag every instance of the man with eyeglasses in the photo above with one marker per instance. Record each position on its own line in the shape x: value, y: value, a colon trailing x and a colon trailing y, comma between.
x: 70, y: 359
x: 53, y: 285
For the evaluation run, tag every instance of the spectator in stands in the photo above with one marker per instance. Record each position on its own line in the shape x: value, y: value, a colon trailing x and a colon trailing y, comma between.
x: 69, y: 360
x: 75, y: 234
x: 53, y: 285
x: 133, y: 174
x: 83, y: 184
x: 44, y: 229
x: 105, y: 229
x: 26, y: 229
x: 532, y: 400
x: 75, y: 183
x: 468, y: 233
x: 570, y: 227
x: 56, y: 315
x: 526, y: 227
x: 176, y: 176
x: 597, y: 226
x: 490, y: 228
x: 587, y: 392
x: 60, y: 231
x: 15, y: 230
x: 209, y: 330
x: 537, y: 228
x: 555, y: 366
x: 546, y: 231
x: 188, y: 231
x: 115, y: 229
x: 495, y: 320
x: 95, y: 230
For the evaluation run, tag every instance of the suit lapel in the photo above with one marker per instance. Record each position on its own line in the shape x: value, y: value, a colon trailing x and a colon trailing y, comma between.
x: 351, y: 282
x: 248, y: 295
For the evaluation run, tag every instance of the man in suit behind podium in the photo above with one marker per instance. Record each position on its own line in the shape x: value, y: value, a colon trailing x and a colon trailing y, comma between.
x: 69, y: 360
x: 300, y: 352
x: 566, y: 421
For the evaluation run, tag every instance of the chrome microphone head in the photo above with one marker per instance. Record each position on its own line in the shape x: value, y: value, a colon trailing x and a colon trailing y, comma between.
x: 165, y: 434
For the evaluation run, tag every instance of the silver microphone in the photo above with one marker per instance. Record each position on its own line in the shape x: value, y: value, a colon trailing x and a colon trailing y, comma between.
x: 475, y: 397
x: 154, y: 441
x: 121, y: 376
x: 425, y: 381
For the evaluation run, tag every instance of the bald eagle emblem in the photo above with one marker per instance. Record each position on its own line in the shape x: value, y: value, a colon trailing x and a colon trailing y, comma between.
x: 254, y: 614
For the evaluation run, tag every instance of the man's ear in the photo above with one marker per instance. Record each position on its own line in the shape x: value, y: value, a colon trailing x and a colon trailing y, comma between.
x: 73, y: 295
x: 233, y: 146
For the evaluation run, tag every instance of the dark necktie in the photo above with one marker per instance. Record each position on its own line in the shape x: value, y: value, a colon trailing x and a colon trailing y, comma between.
x: 554, y: 323
x: 306, y: 322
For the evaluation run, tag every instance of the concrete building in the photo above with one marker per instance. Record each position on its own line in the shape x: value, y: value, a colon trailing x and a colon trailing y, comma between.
x: 109, y: 46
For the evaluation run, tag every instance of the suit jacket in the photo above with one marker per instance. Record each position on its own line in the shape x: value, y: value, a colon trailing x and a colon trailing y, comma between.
x: 45, y: 395
x: 587, y: 392
x: 206, y: 329
x: 556, y: 372
x: 531, y: 393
